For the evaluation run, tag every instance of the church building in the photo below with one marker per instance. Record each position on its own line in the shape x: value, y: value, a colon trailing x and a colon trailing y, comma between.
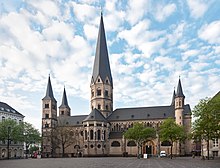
x: 100, y: 133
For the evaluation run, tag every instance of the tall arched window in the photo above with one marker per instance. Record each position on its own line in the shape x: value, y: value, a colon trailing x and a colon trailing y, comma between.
x: 86, y: 135
x: 99, y: 106
x: 99, y: 92
x: 98, y: 135
x: 91, y: 134
x: 104, y: 135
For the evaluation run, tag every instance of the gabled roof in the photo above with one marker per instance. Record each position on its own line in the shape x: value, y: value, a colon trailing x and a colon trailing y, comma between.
x: 101, y: 65
x: 49, y: 92
x: 115, y: 135
x: 64, y: 100
x: 95, y: 115
x: 142, y: 113
x: 179, y: 92
x: 145, y: 113
x: 4, y: 107
x: 71, y: 120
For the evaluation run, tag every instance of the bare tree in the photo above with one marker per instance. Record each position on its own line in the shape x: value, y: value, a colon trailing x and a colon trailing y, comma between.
x: 62, y: 137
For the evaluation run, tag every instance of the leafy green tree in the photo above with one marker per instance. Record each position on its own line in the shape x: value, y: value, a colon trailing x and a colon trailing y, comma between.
x: 30, y: 135
x: 172, y: 132
x: 9, y: 129
x: 140, y: 134
x: 207, y: 123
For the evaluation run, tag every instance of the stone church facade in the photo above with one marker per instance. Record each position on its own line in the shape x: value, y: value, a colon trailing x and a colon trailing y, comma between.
x: 101, y: 132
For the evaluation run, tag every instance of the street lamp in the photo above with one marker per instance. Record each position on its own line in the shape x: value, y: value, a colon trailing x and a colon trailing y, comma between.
x: 9, y: 130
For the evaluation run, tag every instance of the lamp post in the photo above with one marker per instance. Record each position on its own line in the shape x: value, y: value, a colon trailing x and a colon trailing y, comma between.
x: 9, y: 130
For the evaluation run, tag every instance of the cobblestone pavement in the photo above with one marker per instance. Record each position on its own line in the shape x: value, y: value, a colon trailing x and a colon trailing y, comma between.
x: 111, y: 162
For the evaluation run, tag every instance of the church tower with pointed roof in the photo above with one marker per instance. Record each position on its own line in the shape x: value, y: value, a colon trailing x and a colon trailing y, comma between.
x: 49, y: 120
x: 179, y: 104
x: 101, y: 82
x: 64, y: 109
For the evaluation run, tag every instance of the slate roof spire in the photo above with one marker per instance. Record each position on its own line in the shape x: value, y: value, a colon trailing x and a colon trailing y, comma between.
x: 64, y: 100
x: 173, y: 98
x: 179, y: 92
x: 101, y: 65
x: 49, y: 91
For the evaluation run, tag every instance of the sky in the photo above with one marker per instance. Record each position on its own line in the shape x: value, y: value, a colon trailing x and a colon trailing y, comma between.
x: 150, y: 44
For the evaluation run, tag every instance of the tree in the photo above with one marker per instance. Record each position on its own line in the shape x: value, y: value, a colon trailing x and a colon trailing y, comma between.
x: 10, y: 130
x: 207, y: 123
x: 30, y: 135
x: 62, y: 137
x: 172, y: 132
x: 139, y: 134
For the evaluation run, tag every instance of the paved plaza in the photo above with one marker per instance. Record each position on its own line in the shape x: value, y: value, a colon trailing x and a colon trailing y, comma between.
x: 111, y: 162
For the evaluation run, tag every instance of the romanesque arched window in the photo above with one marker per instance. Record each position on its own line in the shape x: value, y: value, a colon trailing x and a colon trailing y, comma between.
x: 131, y: 143
x: 99, y: 92
x: 86, y: 135
x: 115, y: 144
x: 91, y: 134
x: 98, y: 135
x: 99, y: 106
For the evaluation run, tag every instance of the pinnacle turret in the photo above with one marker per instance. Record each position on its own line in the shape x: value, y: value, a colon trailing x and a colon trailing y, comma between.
x: 49, y: 91
x: 64, y: 100
x: 179, y: 92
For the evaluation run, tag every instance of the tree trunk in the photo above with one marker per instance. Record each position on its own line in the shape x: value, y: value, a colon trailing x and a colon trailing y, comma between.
x: 171, y: 152
x: 208, y: 148
x: 63, y: 150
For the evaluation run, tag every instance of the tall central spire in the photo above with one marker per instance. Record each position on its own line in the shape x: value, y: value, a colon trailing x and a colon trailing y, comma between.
x: 101, y: 65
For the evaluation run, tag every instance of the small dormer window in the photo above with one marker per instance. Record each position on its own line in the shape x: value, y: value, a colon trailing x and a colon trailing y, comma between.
x: 62, y: 112
x: 106, y: 81
x: 98, y: 80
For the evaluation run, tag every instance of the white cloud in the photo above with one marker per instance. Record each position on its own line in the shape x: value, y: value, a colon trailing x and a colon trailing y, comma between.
x: 90, y: 32
x: 190, y: 53
x: 84, y: 12
x: 163, y: 12
x: 47, y: 7
x: 198, y: 7
x: 136, y: 10
x: 210, y: 32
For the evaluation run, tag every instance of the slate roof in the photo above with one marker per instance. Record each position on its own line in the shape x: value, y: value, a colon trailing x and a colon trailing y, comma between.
x: 64, y: 100
x: 145, y: 113
x: 95, y: 115
x: 71, y: 120
x: 101, y: 64
x: 4, y: 107
x: 115, y: 135
x: 179, y: 92
x: 173, y: 98
x: 49, y: 92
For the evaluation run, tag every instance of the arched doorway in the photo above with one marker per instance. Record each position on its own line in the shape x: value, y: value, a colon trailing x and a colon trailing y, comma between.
x: 149, y: 148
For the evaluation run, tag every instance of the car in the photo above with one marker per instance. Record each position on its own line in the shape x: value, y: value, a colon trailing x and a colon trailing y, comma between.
x: 163, y: 154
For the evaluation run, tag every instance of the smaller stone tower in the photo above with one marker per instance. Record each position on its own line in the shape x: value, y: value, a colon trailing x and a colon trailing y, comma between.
x: 64, y: 109
x: 179, y: 104
x: 49, y: 121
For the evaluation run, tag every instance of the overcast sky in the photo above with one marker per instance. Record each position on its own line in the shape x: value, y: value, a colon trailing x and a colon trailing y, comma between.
x: 150, y: 44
